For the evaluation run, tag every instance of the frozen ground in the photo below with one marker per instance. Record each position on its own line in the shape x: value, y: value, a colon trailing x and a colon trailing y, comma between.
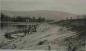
x: 47, y: 37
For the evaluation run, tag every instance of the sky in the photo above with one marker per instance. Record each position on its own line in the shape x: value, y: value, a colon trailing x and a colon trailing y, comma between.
x: 72, y: 6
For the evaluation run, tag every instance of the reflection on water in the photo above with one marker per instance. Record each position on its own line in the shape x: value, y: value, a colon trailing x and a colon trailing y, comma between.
x: 10, y: 28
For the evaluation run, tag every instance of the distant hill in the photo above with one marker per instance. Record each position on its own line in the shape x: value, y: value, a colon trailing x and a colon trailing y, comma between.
x: 57, y: 15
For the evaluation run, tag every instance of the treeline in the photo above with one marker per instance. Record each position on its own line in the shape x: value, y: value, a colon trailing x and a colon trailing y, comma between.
x: 5, y: 18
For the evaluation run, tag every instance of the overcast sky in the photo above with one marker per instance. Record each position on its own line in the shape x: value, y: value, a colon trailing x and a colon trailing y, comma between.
x: 72, y: 6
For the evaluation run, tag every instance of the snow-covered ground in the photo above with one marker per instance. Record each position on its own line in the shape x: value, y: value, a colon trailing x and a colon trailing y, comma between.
x: 47, y: 37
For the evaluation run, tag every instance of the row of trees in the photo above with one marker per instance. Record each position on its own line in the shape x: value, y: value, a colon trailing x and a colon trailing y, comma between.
x: 21, y: 19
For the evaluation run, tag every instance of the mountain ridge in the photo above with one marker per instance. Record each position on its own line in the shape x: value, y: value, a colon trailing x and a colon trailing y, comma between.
x: 57, y: 15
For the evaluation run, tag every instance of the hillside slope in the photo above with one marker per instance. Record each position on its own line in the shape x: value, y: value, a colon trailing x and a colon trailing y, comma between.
x: 46, y: 34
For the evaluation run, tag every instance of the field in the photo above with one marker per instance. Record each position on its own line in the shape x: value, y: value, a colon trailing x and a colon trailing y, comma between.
x: 63, y: 35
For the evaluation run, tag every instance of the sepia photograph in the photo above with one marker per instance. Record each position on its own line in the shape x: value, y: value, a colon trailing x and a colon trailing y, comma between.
x: 43, y: 25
